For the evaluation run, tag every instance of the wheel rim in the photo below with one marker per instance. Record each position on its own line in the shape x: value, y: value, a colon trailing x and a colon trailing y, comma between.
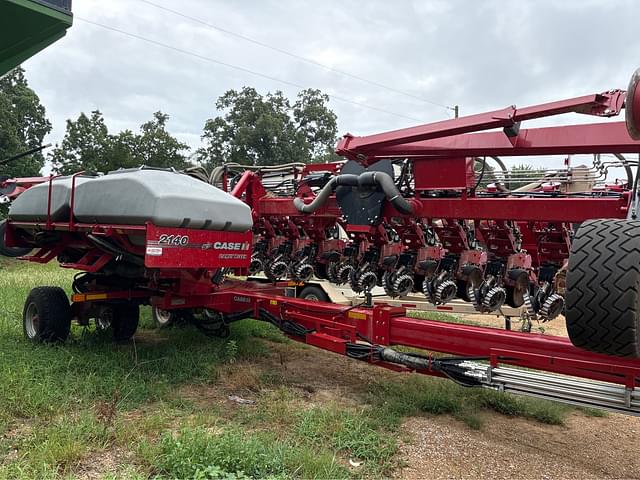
x: 163, y: 316
x: 32, y: 321
x: 102, y: 324
x: 311, y: 297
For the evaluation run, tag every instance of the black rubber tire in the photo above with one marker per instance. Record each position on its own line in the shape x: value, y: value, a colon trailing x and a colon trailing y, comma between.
x: 603, y: 288
x: 51, y: 306
x: 125, y: 321
x: 313, y: 293
x: 12, y: 252
x: 463, y: 290
x: 514, y: 298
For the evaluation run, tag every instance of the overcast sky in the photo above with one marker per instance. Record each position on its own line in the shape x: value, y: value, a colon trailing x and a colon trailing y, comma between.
x: 477, y: 54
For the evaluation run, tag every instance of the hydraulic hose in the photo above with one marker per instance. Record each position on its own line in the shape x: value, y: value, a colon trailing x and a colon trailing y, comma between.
x: 626, y: 167
x: 108, y: 247
x: 346, y: 180
x: 216, y: 174
x: 366, y: 179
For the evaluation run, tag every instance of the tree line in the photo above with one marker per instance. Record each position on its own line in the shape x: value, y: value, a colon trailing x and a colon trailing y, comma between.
x: 248, y: 128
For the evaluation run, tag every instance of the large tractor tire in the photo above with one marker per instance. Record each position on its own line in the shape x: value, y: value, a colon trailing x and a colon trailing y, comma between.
x: 47, y: 315
x: 603, y: 288
x: 10, y: 251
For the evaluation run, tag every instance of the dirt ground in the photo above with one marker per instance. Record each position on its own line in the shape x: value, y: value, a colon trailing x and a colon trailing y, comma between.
x: 586, y: 447
x: 554, y: 327
x: 507, y: 448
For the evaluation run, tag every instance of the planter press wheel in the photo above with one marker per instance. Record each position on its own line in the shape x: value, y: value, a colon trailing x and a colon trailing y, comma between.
x: 603, y: 288
x: 47, y: 315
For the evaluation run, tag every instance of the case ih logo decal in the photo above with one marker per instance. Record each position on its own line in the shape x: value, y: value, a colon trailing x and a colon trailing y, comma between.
x: 241, y: 299
x: 171, y: 247
x: 231, y: 246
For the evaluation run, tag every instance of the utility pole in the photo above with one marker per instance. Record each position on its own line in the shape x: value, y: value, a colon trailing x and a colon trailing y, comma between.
x: 456, y: 111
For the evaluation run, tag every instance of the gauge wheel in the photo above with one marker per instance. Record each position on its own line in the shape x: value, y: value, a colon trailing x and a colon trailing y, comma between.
x: 313, y: 293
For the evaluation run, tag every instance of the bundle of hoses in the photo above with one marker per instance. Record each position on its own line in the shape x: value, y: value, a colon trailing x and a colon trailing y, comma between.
x: 451, y: 366
x: 217, y: 174
x: 287, y: 326
x: 365, y: 180
x: 215, y: 327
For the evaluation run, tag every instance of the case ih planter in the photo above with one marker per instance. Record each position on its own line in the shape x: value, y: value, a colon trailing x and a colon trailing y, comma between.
x: 409, y: 211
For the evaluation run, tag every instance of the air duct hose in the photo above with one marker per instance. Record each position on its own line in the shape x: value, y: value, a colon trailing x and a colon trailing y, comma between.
x: 366, y: 179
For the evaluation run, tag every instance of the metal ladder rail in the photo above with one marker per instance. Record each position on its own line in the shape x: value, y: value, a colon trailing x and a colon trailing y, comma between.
x: 585, y: 393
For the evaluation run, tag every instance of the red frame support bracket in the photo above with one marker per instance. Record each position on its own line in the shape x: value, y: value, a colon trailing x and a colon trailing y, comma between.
x: 386, y: 325
x: 604, y: 104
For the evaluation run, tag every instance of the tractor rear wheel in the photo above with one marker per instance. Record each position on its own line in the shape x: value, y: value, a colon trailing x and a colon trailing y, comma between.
x: 47, y: 315
x: 603, y: 288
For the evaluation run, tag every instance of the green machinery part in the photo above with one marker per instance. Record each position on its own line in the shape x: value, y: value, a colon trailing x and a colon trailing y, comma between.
x: 28, y: 26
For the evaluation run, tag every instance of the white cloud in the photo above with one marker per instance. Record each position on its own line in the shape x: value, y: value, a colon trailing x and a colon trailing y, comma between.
x: 479, y: 55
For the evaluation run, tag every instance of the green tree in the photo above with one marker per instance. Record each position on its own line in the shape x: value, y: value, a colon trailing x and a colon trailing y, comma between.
x: 525, y: 173
x: 88, y: 145
x: 158, y: 148
x: 268, y: 130
x: 23, y: 125
x: 516, y: 176
x: 85, y: 146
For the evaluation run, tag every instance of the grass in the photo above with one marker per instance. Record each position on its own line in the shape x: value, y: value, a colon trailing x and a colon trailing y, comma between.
x: 414, y: 395
x: 443, y: 317
x: 160, y: 403
x: 196, y: 453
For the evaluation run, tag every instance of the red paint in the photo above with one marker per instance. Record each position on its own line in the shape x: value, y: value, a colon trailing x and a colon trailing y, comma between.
x: 190, y: 248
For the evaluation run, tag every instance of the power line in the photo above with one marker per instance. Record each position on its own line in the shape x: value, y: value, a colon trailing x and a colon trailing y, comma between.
x: 296, y: 56
x: 242, y: 69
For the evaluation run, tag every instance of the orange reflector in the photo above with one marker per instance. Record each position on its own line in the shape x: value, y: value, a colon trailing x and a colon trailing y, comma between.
x: 81, y: 297
x: 96, y: 296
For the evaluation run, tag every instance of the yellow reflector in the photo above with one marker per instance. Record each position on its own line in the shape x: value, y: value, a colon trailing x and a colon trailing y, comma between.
x: 357, y: 315
x: 96, y: 296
